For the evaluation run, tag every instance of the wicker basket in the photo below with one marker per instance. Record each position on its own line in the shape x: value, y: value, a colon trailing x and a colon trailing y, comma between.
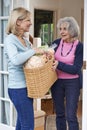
x: 39, y: 80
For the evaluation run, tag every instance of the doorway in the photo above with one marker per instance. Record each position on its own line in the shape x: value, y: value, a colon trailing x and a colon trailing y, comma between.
x: 44, y: 25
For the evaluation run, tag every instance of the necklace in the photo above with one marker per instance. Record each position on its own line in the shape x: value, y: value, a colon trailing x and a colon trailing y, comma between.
x: 68, y: 51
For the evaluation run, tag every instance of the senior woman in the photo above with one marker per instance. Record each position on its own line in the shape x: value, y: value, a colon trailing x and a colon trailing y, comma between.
x: 68, y: 64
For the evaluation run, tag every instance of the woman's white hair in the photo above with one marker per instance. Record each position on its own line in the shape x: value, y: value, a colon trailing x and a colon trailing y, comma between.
x: 72, y: 26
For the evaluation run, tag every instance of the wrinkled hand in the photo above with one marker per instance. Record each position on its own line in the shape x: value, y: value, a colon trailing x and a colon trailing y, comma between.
x: 55, y: 64
x: 49, y: 56
x: 50, y: 53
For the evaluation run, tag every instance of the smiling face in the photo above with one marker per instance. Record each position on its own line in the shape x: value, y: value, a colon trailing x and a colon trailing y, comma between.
x: 64, y: 33
x: 24, y: 25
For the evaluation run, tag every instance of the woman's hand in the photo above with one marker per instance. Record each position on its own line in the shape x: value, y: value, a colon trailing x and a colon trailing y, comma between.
x: 39, y: 51
x: 55, y: 64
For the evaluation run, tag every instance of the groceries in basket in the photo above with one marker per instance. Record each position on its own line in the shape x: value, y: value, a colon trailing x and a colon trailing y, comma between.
x: 39, y: 60
x: 36, y: 61
x: 39, y: 74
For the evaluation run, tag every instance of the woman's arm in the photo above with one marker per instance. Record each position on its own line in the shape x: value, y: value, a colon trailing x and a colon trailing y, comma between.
x: 78, y: 62
x: 15, y: 56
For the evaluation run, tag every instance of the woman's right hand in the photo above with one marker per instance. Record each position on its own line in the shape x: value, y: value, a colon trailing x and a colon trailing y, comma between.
x: 55, y: 64
x: 39, y: 51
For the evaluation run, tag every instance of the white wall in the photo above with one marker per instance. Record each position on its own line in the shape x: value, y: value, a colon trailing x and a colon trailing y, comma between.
x: 21, y: 3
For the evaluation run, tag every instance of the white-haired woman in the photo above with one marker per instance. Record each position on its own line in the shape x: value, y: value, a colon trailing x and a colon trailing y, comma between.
x: 68, y: 64
x: 18, y: 50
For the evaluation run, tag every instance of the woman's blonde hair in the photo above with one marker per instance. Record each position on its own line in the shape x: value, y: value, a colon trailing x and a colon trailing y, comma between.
x: 19, y: 13
x: 72, y: 26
